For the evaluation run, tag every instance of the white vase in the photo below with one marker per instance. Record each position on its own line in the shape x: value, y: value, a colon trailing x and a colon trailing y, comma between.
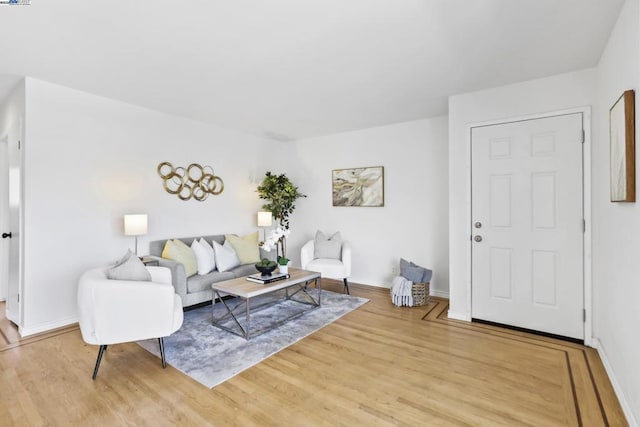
x: 284, y: 269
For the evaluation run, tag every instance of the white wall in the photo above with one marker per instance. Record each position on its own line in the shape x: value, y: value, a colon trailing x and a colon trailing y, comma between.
x: 616, y: 226
x: 413, y: 221
x: 555, y: 93
x: 12, y: 109
x: 89, y: 160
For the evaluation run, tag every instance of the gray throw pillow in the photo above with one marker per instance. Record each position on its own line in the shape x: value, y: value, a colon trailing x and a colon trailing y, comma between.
x: 327, y: 247
x: 410, y: 271
x: 426, y: 277
x: 129, y: 267
x: 414, y: 272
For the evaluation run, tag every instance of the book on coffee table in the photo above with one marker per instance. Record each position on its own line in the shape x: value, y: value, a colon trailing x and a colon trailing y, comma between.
x: 259, y: 278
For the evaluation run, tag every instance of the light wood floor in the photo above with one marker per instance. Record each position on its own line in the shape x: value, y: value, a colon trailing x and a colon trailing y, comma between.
x: 379, y: 365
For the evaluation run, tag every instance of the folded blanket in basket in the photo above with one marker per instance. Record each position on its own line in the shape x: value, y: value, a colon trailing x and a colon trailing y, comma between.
x: 401, y: 292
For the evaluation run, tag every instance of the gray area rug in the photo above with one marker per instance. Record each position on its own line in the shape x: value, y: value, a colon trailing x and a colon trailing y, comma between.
x: 211, y: 356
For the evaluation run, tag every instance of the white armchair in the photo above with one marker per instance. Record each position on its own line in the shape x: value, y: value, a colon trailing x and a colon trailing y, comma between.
x: 339, y: 269
x: 119, y: 311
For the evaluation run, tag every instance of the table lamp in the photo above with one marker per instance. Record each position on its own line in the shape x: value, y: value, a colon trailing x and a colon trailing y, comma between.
x: 135, y: 225
x: 265, y: 219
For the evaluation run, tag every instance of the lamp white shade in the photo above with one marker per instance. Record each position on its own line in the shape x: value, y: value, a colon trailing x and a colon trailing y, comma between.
x: 265, y: 219
x: 135, y: 225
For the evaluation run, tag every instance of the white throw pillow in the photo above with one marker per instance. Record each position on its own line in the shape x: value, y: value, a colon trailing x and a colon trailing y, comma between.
x: 205, y: 258
x: 328, y: 247
x: 226, y: 257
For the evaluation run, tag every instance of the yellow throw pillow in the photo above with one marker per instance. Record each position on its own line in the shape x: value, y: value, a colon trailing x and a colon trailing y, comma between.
x: 246, y: 247
x: 178, y: 251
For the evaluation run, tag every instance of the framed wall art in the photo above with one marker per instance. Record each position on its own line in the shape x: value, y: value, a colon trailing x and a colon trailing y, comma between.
x: 623, y: 151
x: 358, y: 187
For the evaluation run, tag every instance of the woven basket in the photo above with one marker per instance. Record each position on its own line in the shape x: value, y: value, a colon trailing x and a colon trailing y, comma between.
x: 420, y: 293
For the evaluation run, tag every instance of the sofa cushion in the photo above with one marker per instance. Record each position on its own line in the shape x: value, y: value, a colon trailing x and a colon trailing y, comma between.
x: 226, y: 257
x: 156, y: 246
x: 246, y: 247
x: 244, y: 270
x: 129, y: 267
x: 205, y: 258
x: 199, y: 283
x: 327, y: 247
x: 178, y: 251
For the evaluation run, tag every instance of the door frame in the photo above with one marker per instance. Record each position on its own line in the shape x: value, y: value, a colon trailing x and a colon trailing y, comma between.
x: 586, y: 205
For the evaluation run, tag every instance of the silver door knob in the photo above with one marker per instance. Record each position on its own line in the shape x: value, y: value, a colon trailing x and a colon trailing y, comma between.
x: 478, y: 224
x: 478, y: 238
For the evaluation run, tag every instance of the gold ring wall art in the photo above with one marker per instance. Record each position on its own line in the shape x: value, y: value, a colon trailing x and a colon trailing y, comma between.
x: 194, y: 181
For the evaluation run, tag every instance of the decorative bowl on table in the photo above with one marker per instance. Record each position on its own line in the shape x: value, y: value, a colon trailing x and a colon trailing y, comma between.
x: 266, y: 267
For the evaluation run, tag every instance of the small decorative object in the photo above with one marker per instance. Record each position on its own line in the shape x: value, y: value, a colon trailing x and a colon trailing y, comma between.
x: 195, y: 181
x: 266, y: 267
x: 278, y: 240
x: 283, y: 265
x: 135, y: 225
x: 358, y: 187
x: 411, y: 288
x: 622, y: 140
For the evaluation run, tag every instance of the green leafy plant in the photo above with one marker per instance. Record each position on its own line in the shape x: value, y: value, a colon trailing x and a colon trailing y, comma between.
x: 265, y: 262
x: 281, y: 195
x: 283, y: 260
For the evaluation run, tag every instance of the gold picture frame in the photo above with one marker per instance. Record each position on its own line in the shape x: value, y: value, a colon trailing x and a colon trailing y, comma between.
x: 622, y: 148
x: 362, y: 187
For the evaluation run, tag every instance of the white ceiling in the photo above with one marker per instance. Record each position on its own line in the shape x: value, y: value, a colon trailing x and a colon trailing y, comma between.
x: 297, y: 68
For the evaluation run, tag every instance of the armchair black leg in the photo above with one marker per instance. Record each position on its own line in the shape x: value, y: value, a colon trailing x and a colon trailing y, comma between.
x: 100, y: 353
x: 161, y: 344
x: 346, y: 286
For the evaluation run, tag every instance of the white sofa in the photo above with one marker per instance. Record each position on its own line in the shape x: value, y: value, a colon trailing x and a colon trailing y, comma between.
x: 119, y: 311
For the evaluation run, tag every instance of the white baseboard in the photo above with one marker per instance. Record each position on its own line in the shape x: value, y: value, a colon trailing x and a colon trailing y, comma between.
x: 45, y: 327
x: 626, y: 408
x: 458, y: 316
x: 439, y: 294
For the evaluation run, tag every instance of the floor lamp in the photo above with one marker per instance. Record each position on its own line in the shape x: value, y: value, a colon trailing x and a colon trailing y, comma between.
x: 135, y: 225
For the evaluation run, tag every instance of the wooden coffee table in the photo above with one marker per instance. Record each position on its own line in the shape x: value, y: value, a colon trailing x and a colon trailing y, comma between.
x: 295, y: 289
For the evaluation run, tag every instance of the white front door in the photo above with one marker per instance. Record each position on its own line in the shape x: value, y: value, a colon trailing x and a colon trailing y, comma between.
x: 527, y: 224
x: 4, y: 219
x: 14, y: 305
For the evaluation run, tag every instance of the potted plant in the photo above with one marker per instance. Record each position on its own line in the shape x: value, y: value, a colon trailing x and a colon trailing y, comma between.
x: 281, y: 195
x: 283, y: 265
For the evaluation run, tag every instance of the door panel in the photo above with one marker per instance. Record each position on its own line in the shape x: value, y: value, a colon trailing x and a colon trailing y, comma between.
x: 527, y: 224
